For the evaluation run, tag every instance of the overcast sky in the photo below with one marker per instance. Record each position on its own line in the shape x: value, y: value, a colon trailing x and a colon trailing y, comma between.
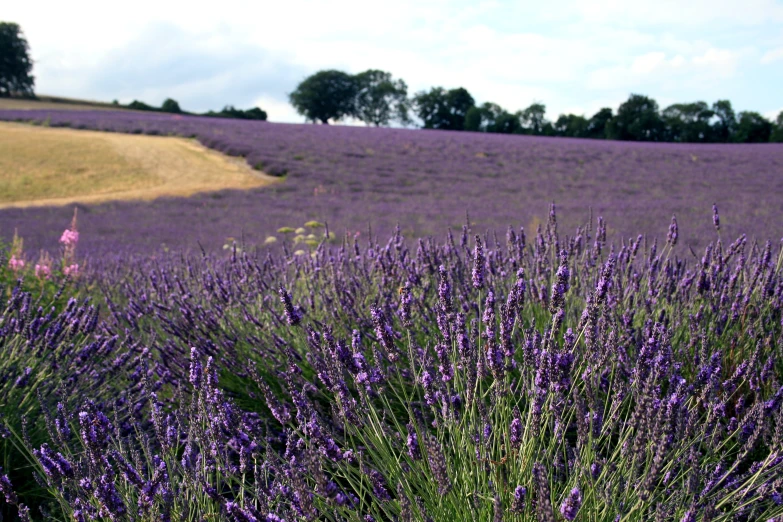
x: 572, y: 56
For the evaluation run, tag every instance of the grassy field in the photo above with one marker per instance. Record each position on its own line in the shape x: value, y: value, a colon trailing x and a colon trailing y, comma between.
x: 47, y: 166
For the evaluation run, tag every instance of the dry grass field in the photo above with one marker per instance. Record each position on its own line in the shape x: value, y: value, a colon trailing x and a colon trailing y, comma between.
x: 53, y: 166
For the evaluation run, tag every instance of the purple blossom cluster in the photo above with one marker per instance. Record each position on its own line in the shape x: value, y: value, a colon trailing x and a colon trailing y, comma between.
x: 563, y: 378
x: 425, y: 180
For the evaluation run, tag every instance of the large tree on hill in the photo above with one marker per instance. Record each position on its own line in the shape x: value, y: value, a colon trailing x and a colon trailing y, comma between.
x: 15, y: 62
x: 326, y: 95
x: 637, y: 119
x: 380, y: 98
x: 442, y: 109
x: 752, y: 127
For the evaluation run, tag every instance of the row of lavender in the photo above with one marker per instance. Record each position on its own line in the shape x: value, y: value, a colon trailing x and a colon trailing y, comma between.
x: 562, y: 378
x: 425, y: 180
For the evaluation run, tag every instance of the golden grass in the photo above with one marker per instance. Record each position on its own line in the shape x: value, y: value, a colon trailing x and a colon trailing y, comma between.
x: 54, y: 166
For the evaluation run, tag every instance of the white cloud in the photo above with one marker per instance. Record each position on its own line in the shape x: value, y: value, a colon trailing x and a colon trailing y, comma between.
x: 679, y: 13
x: 772, y: 56
x: 656, y: 68
x: 567, y: 53
x: 772, y: 115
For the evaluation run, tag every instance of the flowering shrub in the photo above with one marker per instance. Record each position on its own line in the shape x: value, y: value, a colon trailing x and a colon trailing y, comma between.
x: 561, y: 378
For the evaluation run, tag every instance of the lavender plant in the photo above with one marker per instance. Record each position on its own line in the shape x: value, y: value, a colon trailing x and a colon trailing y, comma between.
x: 564, y: 378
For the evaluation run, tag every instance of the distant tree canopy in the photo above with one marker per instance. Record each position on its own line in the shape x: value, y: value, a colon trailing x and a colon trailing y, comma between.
x: 491, y: 117
x: 726, y: 125
x: 637, y: 119
x: 15, y: 63
x: 752, y: 127
x: 777, y: 132
x: 442, y: 109
x: 170, y: 105
x: 596, y: 125
x: 326, y: 95
x: 533, y: 120
x: 571, y: 126
x: 380, y: 99
x: 230, y: 112
x: 376, y: 98
x: 688, y: 122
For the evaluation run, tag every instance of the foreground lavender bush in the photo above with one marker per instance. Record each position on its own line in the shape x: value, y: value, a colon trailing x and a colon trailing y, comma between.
x: 565, y: 379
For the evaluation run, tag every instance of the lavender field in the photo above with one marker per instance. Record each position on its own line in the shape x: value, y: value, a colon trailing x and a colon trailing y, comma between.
x: 425, y: 181
x: 539, y: 363
x: 541, y: 378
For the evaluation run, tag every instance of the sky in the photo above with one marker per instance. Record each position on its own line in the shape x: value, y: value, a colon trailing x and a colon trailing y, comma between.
x: 573, y: 56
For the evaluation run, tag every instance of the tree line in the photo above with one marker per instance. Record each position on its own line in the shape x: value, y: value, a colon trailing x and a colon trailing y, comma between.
x: 171, y: 106
x: 16, y: 79
x: 376, y: 98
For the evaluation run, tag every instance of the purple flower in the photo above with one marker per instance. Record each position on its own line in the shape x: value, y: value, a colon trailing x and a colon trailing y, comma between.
x: 7, y: 489
x: 715, y: 219
x: 518, y: 503
x: 671, y: 237
x: 195, y: 369
x: 378, y: 485
x: 571, y: 504
x: 413, y: 443
x: 516, y: 429
x: 478, y: 264
x: 292, y: 315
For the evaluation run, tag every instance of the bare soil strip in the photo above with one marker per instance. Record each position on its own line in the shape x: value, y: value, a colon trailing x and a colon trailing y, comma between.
x: 41, y: 166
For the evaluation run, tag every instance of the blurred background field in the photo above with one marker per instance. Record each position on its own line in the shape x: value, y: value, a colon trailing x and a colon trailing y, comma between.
x: 355, y: 178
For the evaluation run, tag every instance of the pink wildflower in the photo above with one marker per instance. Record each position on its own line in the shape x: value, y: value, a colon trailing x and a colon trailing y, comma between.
x: 43, y: 268
x: 16, y: 263
x: 71, y: 270
x: 69, y: 237
x: 42, y: 271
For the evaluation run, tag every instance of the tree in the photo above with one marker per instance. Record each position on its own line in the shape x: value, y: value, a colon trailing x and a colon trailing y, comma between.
x: 326, y: 95
x: 637, y: 119
x: 596, y: 125
x: 533, y: 121
x: 137, y: 105
x: 491, y: 117
x: 15, y: 62
x: 380, y: 98
x: 442, y: 109
x: 170, y: 105
x: 777, y: 132
x: 688, y: 122
x: 229, y: 111
x: 571, y: 126
x: 725, y: 126
x: 752, y: 127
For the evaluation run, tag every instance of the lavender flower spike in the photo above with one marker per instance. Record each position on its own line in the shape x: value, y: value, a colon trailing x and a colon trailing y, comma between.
x: 478, y: 264
x: 571, y: 504
x: 292, y: 315
x: 715, y: 217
